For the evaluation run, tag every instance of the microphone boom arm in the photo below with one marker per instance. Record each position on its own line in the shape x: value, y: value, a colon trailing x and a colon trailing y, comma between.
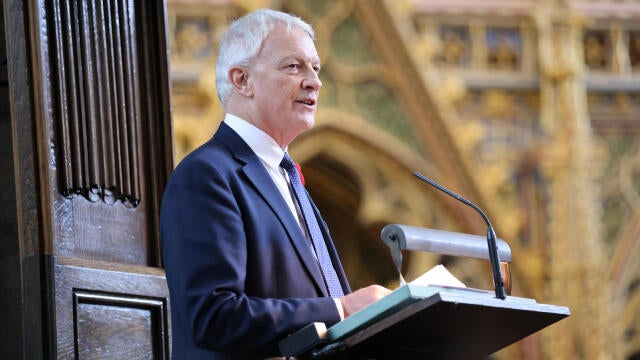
x: 494, y: 258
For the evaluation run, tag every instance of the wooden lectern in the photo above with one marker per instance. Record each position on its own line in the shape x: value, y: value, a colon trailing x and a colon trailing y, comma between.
x: 427, y: 322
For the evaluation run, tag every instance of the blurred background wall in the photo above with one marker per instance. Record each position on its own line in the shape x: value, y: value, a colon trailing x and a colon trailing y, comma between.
x: 529, y: 108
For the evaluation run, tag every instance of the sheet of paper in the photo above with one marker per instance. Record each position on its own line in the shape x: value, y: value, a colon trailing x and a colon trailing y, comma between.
x: 438, y: 275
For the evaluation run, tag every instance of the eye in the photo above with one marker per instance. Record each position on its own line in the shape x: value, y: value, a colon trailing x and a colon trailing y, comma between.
x: 316, y: 68
x: 292, y: 66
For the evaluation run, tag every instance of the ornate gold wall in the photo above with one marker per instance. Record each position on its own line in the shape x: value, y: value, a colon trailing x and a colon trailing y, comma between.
x: 529, y: 108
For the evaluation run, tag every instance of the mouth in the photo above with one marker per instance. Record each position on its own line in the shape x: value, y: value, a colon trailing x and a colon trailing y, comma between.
x: 308, y: 101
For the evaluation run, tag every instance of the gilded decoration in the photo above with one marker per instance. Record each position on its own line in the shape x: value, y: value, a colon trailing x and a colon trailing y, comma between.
x: 529, y: 108
x: 455, y: 46
x: 596, y: 50
x: 504, y: 48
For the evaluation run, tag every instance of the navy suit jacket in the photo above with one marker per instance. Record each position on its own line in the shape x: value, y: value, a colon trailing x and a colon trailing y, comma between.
x: 240, y: 272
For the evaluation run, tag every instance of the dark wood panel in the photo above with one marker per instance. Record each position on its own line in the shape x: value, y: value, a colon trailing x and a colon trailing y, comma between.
x: 158, y: 143
x: 104, y: 323
x: 98, y: 100
x: 109, y: 126
x: 105, y: 310
x: 103, y: 232
x: 23, y: 330
x: 85, y: 157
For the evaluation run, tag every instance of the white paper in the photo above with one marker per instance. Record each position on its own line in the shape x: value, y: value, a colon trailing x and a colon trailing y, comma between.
x: 438, y: 275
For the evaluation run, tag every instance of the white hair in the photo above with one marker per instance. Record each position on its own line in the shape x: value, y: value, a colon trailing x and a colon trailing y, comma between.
x: 243, y: 40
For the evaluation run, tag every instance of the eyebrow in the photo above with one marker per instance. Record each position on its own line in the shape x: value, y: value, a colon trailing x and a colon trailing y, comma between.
x: 297, y: 57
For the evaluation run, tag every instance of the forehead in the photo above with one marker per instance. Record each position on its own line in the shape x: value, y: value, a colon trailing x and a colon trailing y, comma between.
x: 284, y: 43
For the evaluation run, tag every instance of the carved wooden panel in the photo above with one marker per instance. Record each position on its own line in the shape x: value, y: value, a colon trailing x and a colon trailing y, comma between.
x: 106, y: 322
x: 98, y: 109
x: 107, y: 312
x: 105, y: 78
x: 90, y: 133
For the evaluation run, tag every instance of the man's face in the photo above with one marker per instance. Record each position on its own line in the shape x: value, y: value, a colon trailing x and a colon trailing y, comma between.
x: 285, y: 84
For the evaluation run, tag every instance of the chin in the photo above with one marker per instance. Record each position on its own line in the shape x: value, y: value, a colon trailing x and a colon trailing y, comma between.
x: 307, y: 123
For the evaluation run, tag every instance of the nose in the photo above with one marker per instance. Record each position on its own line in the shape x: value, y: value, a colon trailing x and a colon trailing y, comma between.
x: 312, y: 81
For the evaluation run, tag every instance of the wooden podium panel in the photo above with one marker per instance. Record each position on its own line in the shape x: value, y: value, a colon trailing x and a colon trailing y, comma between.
x: 443, y: 323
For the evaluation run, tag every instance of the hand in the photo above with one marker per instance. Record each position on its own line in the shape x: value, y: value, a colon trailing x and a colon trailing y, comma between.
x: 359, y: 299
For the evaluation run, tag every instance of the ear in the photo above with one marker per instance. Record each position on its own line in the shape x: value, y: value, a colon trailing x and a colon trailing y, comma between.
x: 239, y: 78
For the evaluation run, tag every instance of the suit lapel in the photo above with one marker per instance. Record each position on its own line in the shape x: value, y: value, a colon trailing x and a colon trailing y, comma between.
x: 262, y: 182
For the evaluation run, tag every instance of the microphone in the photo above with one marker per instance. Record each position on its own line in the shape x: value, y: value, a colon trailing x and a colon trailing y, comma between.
x: 491, y: 235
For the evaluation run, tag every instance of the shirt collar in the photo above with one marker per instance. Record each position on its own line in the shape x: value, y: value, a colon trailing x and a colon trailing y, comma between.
x: 259, y: 141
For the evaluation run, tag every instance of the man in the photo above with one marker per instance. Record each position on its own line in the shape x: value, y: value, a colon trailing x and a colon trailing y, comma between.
x: 240, y: 236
